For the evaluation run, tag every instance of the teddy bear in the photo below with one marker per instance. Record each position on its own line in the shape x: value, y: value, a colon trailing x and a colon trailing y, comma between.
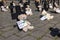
x: 2, y: 6
x: 28, y: 10
x: 46, y: 15
x: 22, y: 16
x: 57, y: 9
x: 23, y: 23
x: 50, y: 6
x: 40, y: 7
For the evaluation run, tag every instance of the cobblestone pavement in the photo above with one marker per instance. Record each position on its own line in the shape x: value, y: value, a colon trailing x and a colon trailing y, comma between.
x: 41, y: 31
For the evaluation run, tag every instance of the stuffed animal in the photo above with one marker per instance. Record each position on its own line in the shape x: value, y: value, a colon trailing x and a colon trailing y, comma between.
x: 22, y: 16
x: 3, y: 9
x: 56, y: 5
x: 46, y: 16
x: 56, y: 9
x: 29, y: 10
x: 44, y: 12
x: 40, y: 7
x: 50, y: 6
x: 21, y: 5
x: 24, y: 25
x: 28, y: 26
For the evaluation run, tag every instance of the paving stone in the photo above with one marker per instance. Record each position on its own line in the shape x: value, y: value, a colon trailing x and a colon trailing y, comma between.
x: 57, y: 26
x: 1, y: 38
x: 42, y: 31
x: 10, y: 32
x: 1, y: 27
x: 5, y: 20
x: 48, y: 35
x: 46, y: 38
x: 7, y: 28
x: 58, y: 38
x: 28, y: 38
x: 13, y: 38
x: 38, y: 33
x: 7, y: 34
x: 21, y: 34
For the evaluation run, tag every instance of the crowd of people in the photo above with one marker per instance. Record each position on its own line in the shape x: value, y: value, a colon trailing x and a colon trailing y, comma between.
x: 23, y: 10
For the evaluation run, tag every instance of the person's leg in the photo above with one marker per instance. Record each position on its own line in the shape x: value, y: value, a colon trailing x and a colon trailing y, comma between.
x: 37, y: 4
x: 20, y: 1
x: 29, y: 2
x: 11, y: 10
x: 58, y: 2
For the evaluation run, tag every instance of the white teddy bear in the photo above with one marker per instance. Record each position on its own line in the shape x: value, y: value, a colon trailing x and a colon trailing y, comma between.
x: 29, y: 10
x: 23, y: 23
x: 46, y: 16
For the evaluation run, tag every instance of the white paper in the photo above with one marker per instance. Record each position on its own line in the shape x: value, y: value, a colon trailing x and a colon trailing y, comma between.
x: 43, y: 18
x: 21, y: 24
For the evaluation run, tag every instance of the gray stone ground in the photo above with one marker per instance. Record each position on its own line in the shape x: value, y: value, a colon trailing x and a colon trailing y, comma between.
x: 41, y: 31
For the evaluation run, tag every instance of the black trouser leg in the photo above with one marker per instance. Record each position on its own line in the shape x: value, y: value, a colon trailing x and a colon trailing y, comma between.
x: 37, y: 4
x: 11, y: 10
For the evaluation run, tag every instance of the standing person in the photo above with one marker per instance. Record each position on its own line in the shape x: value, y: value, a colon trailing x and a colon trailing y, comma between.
x: 53, y: 3
x: 20, y: 1
x: 17, y: 8
x: 21, y: 6
x: 37, y: 4
x: 29, y: 2
x: 18, y: 11
x: 12, y: 5
x: 45, y: 5
x: 25, y: 6
x: 50, y: 1
x: 43, y: 1
x: 1, y: 3
x: 58, y: 2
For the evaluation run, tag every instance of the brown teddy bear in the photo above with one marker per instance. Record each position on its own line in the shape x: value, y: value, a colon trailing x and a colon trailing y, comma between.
x: 22, y: 16
x: 23, y: 23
